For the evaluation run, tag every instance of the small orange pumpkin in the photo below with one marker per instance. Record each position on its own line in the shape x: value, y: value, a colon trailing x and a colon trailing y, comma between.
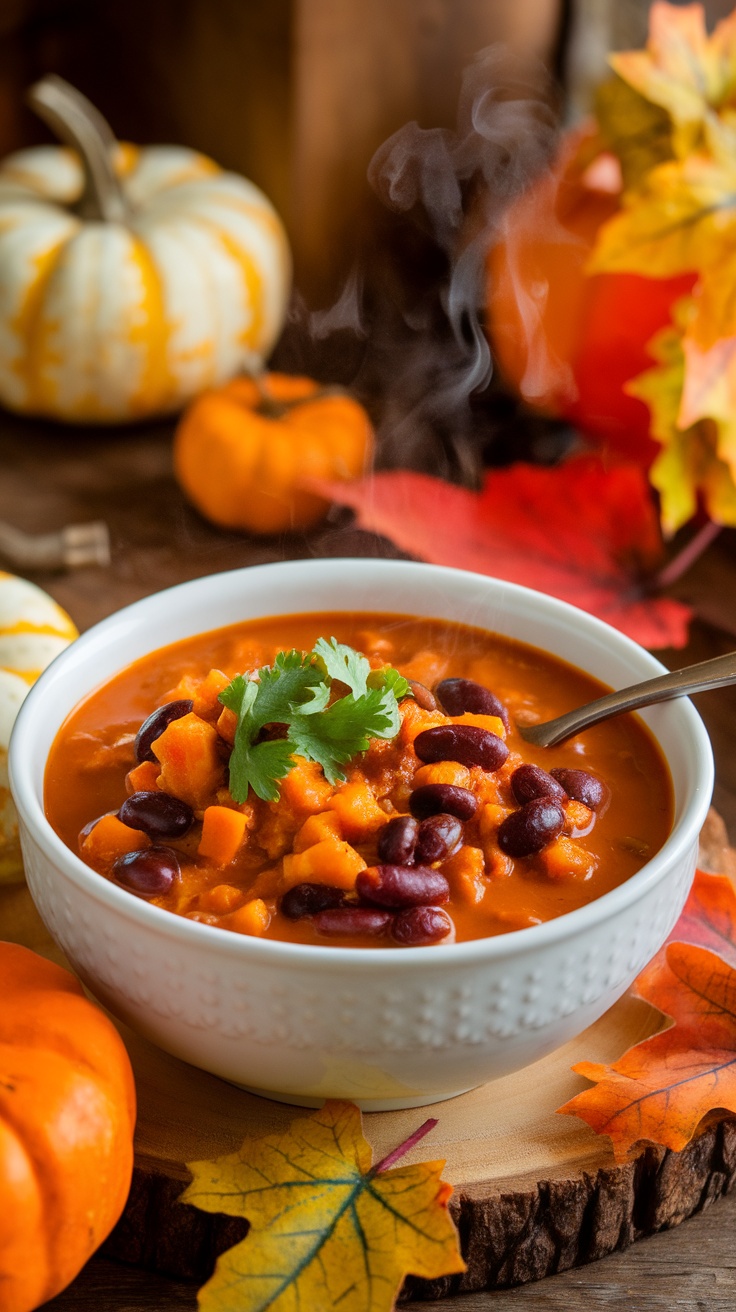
x: 67, y: 1113
x: 244, y: 453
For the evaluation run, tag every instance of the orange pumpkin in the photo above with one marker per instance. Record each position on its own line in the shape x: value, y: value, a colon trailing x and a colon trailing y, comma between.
x: 244, y: 453
x: 67, y: 1112
x: 568, y: 341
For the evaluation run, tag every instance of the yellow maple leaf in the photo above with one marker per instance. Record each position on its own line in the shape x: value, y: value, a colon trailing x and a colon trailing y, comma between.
x: 682, y: 69
x: 682, y: 219
x: 697, y: 460
x: 637, y: 132
x: 326, y: 1230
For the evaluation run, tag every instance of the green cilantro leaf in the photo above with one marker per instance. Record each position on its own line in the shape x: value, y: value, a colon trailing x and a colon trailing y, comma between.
x: 341, y: 662
x: 388, y: 677
x: 295, y: 691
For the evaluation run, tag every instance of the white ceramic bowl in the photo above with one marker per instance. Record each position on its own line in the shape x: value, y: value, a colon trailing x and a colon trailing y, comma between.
x: 382, y: 1027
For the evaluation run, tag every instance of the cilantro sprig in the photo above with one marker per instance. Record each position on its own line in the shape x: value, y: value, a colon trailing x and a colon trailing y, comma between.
x: 296, y: 691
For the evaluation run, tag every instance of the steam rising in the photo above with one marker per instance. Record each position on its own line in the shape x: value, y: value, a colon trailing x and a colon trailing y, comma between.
x: 416, y: 302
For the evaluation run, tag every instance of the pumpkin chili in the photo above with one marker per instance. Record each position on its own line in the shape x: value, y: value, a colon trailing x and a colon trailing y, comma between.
x: 354, y: 780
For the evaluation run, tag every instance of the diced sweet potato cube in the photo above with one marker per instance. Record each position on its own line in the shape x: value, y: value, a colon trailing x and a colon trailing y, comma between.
x: 443, y: 772
x: 191, y: 768
x: 184, y: 690
x: 207, y: 693
x: 498, y: 864
x: 110, y: 838
x: 326, y: 824
x: 579, y: 819
x: 427, y: 667
x: 221, y: 899
x: 493, y: 723
x: 253, y: 918
x: 227, y: 723
x: 466, y: 872
x: 223, y: 831
x: 564, y: 859
x: 329, y: 862
x: 358, y: 811
x: 414, y: 720
x: 305, y: 787
x: 144, y: 778
x: 492, y: 814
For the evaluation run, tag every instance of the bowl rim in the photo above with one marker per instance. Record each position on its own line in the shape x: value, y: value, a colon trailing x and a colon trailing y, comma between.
x: 278, y: 951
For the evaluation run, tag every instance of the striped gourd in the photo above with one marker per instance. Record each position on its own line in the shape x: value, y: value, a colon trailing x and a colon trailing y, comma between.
x: 33, y: 629
x: 130, y: 278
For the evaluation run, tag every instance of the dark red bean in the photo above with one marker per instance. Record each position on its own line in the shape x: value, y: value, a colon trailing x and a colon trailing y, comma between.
x: 583, y: 787
x: 397, y: 840
x: 422, y: 696
x: 148, y: 872
x: 153, y: 727
x: 353, y: 920
x: 421, y: 925
x: 531, y: 781
x: 530, y: 828
x: 461, y: 696
x: 431, y: 799
x: 402, y: 886
x: 466, y: 743
x: 309, y: 899
x: 158, y: 814
x: 439, y: 835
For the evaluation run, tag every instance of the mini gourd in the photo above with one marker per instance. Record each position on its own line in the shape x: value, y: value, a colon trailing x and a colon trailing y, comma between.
x: 33, y: 629
x: 246, y: 454
x: 132, y: 277
x: 67, y: 1114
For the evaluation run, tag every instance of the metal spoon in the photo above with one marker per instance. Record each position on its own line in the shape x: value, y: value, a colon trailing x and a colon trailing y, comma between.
x: 714, y: 673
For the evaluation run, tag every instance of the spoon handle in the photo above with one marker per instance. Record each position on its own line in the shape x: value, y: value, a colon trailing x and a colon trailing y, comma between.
x: 715, y: 673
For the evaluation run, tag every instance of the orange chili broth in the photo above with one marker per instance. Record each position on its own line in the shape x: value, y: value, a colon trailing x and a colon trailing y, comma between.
x: 93, y: 751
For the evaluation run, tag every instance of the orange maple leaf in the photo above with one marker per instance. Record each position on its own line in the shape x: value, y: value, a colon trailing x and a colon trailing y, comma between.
x: 327, y: 1230
x: 661, y: 1089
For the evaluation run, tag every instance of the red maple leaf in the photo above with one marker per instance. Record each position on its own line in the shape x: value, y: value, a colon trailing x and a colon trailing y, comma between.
x: 582, y: 531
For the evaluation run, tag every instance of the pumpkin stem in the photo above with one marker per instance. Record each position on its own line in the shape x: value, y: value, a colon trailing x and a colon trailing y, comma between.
x: 75, y: 121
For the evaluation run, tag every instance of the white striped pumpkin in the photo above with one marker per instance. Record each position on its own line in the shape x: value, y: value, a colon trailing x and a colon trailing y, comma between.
x: 33, y: 629
x: 130, y: 278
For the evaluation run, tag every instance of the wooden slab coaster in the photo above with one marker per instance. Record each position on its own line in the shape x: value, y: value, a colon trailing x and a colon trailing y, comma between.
x: 535, y: 1193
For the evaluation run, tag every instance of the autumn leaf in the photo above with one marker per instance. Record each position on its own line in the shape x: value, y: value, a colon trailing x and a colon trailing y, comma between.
x: 326, y: 1230
x: 636, y: 131
x: 661, y: 1089
x: 698, y: 460
x: 580, y: 531
x: 683, y: 70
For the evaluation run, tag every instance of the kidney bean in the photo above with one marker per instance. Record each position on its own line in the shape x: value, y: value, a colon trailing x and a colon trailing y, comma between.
x: 153, y: 727
x: 531, y: 781
x: 461, y: 696
x: 582, y: 786
x: 466, y: 743
x: 402, y: 886
x: 422, y: 696
x: 353, y: 920
x: 430, y: 799
x: 309, y: 899
x: 158, y: 814
x: 148, y: 872
x: 530, y: 828
x: 397, y: 840
x: 439, y: 835
x: 421, y: 925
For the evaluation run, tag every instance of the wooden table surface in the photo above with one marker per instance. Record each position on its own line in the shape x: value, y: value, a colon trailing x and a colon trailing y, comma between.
x: 51, y: 477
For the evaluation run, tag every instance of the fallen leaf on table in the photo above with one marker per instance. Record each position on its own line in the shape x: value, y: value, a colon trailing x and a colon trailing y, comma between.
x: 326, y: 1230
x: 662, y: 1088
x: 581, y: 531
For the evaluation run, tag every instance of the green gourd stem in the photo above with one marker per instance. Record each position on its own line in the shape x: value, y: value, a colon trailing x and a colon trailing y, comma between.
x: 74, y: 119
